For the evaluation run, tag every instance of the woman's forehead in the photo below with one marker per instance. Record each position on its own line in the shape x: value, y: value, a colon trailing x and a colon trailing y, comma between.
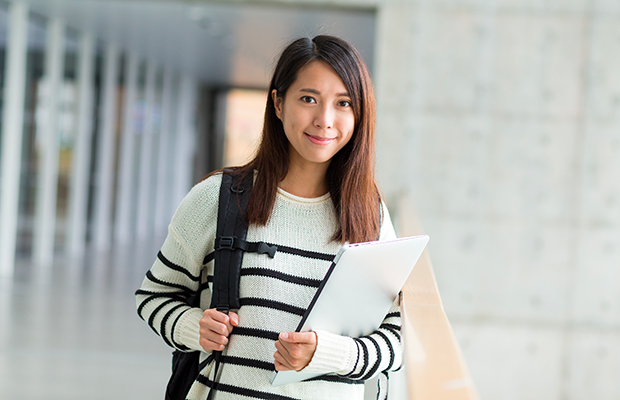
x: 319, y: 78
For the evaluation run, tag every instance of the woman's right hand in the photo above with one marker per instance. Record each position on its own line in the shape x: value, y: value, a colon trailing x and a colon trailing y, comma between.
x: 215, y: 326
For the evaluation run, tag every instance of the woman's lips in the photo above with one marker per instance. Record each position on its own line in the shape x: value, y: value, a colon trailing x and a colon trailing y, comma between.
x: 319, y: 140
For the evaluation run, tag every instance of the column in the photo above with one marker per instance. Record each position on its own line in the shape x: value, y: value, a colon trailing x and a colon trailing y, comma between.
x: 47, y: 184
x: 12, y: 132
x: 82, y: 154
x: 184, y: 154
x: 104, y: 188
x: 162, y: 196
x: 145, y: 185
x: 123, y: 218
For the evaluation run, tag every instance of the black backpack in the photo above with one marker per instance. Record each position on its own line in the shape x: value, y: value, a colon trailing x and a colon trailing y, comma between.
x: 230, y: 244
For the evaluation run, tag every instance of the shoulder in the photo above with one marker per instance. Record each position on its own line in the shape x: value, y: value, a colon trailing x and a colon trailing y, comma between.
x: 200, y: 203
x: 205, y: 189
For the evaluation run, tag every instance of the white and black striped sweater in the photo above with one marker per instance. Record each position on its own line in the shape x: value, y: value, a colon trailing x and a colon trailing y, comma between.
x: 274, y: 294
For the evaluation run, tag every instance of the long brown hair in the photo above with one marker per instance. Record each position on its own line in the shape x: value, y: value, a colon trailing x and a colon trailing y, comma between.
x: 350, y: 175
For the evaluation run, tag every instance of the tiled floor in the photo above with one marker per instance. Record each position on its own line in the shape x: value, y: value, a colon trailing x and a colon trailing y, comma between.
x: 72, y: 332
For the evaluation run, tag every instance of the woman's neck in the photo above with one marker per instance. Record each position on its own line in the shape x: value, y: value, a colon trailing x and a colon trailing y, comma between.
x: 305, y: 181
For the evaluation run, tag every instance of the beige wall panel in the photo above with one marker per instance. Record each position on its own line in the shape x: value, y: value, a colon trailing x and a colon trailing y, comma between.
x: 597, y: 298
x: 395, y: 52
x: 449, y: 60
x: 563, y: 63
x: 553, y: 152
x: 531, y: 170
x: 556, y: 6
x: 610, y: 8
x: 512, y: 362
x: 503, y: 272
x: 600, y: 197
x: 568, y: 6
x: 460, y: 272
x: 594, y: 366
x: 453, y: 166
x: 517, y: 187
x: 518, y: 64
x: 457, y: 5
x: 520, y: 6
x: 538, y: 65
x: 394, y: 82
x: 603, y: 96
x: 527, y: 272
x: 390, y: 174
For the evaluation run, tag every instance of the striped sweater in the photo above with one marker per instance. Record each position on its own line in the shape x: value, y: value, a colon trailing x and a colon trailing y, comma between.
x: 274, y: 293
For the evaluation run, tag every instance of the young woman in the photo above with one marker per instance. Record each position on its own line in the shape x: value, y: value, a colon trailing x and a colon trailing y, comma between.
x: 314, y: 189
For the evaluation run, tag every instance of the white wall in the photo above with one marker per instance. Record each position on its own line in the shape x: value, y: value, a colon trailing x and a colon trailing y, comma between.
x: 503, y: 120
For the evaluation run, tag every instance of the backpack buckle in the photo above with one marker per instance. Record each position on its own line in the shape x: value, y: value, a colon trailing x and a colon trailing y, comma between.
x: 225, y: 243
x: 264, y: 248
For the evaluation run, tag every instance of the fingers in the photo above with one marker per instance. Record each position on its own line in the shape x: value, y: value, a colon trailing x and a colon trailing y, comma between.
x: 289, y: 359
x: 281, y: 367
x: 298, y: 337
x: 217, y: 321
x: 209, y: 345
x: 211, y: 341
x: 282, y: 357
x: 294, y: 350
x: 215, y: 327
x: 218, y: 316
x: 234, y: 319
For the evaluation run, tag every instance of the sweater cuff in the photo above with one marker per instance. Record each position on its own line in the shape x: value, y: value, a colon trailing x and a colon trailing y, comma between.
x: 187, y: 331
x: 334, y: 353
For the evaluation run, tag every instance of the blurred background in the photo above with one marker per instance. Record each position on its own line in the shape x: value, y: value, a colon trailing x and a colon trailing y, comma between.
x: 500, y: 119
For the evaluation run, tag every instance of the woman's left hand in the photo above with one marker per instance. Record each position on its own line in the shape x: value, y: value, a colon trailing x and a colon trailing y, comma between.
x: 295, y: 350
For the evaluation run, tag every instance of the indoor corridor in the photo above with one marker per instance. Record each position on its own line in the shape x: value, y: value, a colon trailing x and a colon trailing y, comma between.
x: 497, y: 134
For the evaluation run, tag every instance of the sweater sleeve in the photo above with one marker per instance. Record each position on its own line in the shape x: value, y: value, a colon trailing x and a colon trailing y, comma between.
x: 363, y: 357
x: 367, y: 356
x: 162, y: 300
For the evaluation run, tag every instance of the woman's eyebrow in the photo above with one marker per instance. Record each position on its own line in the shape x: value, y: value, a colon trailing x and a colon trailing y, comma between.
x: 314, y: 91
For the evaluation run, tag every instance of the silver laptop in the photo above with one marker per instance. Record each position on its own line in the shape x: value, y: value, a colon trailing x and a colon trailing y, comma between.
x: 358, y: 291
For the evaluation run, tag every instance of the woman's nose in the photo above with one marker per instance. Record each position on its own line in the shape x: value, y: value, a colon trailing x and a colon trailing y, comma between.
x: 325, y: 117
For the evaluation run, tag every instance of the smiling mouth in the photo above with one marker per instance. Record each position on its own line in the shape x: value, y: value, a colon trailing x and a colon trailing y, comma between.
x: 319, y: 140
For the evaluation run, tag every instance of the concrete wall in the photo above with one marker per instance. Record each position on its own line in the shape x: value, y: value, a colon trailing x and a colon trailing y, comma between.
x: 502, y: 118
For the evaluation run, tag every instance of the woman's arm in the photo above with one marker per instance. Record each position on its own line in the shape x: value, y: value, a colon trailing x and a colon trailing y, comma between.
x: 162, y: 300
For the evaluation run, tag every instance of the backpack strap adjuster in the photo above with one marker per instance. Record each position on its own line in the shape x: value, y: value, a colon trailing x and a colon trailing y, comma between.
x: 225, y: 243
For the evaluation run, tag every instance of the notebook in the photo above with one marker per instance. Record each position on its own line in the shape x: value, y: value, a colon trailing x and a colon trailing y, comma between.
x: 358, y: 291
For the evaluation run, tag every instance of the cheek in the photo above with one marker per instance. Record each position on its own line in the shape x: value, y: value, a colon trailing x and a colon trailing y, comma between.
x: 350, y: 127
x: 289, y: 129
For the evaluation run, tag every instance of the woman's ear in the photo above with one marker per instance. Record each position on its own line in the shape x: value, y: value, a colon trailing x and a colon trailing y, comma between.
x: 277, y: 103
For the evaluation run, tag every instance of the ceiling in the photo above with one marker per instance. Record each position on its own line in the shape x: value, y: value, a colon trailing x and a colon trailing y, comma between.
x: 220, y: 44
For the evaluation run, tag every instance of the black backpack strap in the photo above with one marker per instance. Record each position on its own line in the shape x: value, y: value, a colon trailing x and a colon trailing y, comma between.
x: 231, y: 224
x: 230, y: 244
x: 234, y: 195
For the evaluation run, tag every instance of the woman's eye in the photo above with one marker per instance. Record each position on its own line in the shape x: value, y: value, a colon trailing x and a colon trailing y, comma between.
x: 307, y: 99
x: 344, y: 103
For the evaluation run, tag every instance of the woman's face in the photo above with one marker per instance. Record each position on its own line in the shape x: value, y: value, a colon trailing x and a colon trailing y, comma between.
x: 316, y: 115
